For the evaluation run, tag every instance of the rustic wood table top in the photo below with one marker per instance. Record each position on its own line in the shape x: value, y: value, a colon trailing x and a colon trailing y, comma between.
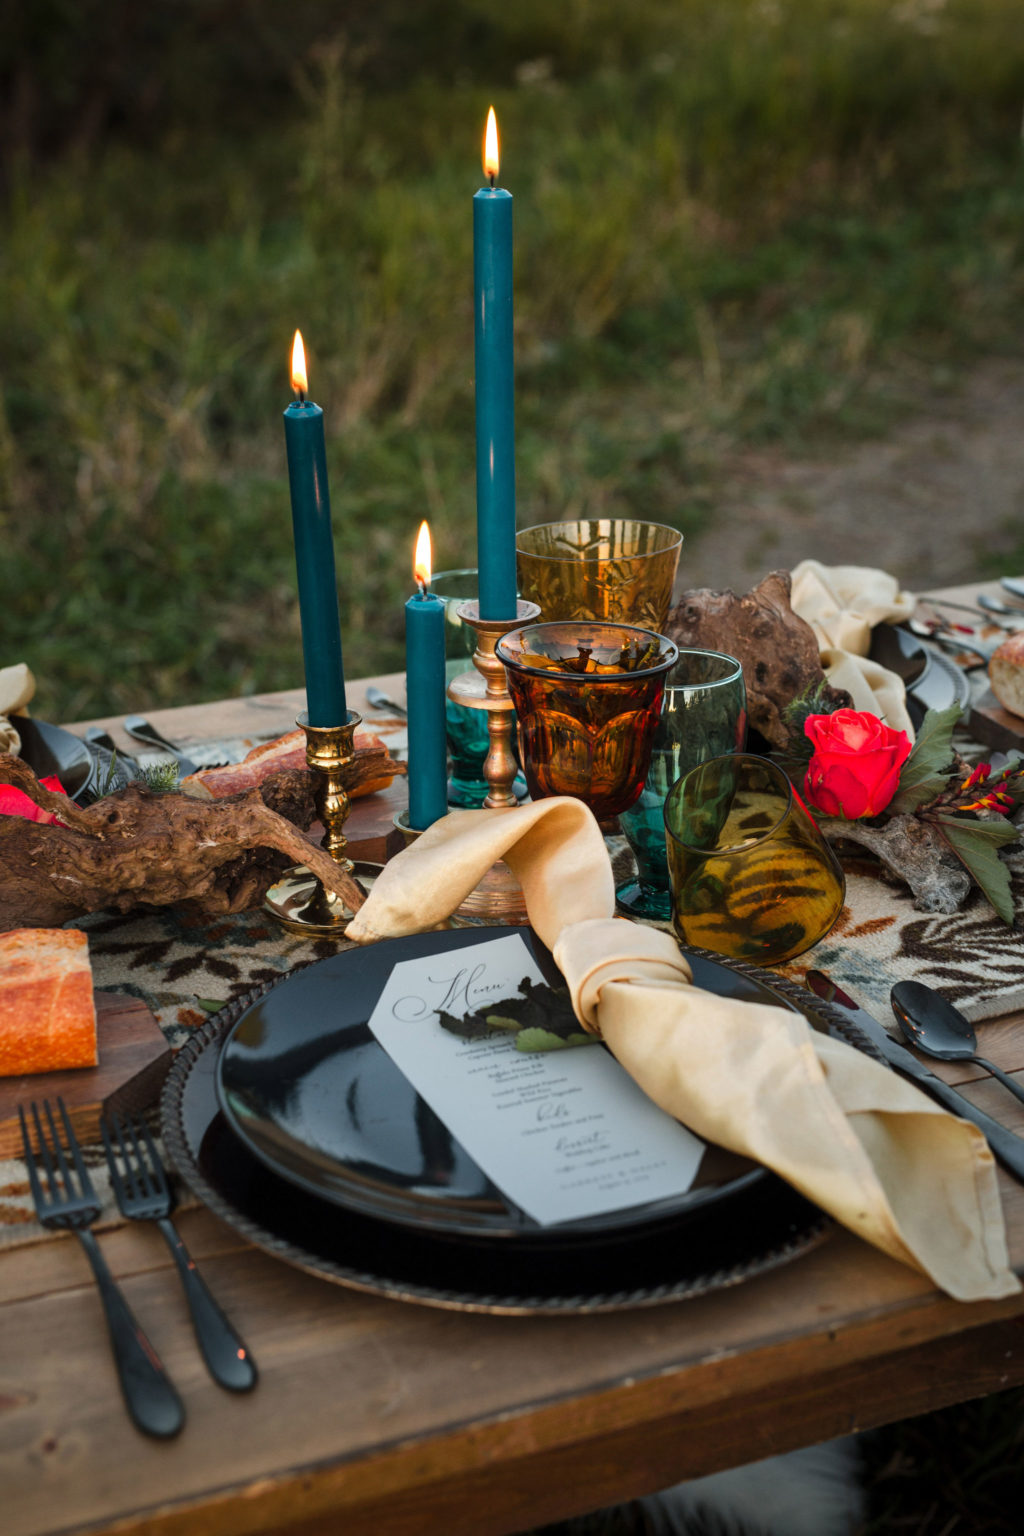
x: 377, y: 1416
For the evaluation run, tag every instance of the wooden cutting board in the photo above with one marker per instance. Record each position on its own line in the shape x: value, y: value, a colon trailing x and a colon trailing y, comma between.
x: 134, y: 1060
x: 994, y: 726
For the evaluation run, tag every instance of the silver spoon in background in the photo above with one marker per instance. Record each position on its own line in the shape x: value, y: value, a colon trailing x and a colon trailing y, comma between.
x: 936, y: 1027
x: 993, y: 605
x: 379, y: 700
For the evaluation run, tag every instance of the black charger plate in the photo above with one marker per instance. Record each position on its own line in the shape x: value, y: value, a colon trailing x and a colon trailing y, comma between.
x: 760, y: 1226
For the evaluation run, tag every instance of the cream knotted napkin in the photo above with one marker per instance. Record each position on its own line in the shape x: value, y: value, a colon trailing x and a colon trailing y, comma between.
x: 859, y: 1141
x: 17, y: 685
x: 842, y: 604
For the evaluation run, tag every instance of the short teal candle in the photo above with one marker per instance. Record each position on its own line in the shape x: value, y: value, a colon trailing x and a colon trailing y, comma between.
x: 495, y: 418
x: 425, y: 699
x: 314, y: 556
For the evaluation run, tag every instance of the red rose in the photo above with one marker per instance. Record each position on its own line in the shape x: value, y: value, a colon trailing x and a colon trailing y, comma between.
x: 14, y: 803
x: 855, y: 769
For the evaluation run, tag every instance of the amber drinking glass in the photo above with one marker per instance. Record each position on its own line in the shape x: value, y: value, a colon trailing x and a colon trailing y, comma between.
x: 704, y: 714
x: 751, y: 875
x: 609, y: 569
x: 588, y: 699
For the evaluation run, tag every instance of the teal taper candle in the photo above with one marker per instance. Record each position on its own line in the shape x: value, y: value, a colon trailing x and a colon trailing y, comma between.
x: 495, y: 420
x: 425, y: 696
x: 314, y: 552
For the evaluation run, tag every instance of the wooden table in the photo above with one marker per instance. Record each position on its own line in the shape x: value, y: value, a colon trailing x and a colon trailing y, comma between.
x: 374, y: 1416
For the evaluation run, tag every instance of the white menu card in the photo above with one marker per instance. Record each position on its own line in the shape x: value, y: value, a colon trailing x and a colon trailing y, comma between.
x: 564, y: 1134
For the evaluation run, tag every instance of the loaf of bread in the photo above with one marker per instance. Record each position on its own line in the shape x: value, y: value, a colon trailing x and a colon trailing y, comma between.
x: 47, y: 1013
x: 1006, y: 673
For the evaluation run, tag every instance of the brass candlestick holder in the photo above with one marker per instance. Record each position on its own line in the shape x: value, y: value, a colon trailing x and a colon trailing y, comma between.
x: 499, y: 896
x: 299, y: 901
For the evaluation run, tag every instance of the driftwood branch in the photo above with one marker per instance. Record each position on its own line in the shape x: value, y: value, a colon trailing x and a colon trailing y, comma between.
x: 916, y: 853
x: 137, y: 848
x: 775, y: 647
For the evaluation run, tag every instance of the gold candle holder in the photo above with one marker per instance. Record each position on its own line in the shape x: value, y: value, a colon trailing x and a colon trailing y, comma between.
x: 499, y: 896
x: 299, y: 901
x: 486, y: 688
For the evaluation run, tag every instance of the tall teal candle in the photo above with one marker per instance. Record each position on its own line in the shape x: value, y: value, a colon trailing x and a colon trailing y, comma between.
x: 314, y: 552
x: 495, y: 423
x: 425, y: 697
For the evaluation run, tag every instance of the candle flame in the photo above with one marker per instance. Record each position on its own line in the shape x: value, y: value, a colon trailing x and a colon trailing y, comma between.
x: 422, y: 560
x: 300, y: 383
x: 491, y: 158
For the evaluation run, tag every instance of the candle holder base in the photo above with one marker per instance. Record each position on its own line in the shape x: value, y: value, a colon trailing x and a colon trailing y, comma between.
x: 298, y: 900
x: 301, y: 903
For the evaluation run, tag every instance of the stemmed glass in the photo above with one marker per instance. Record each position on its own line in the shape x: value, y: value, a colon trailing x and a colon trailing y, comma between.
x: 752, y: 877
x: 704, y: 714
x: 588, y: 699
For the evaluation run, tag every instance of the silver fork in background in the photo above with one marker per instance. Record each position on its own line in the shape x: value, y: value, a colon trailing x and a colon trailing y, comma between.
x: 68, y: 1202
x: 143, y: 1194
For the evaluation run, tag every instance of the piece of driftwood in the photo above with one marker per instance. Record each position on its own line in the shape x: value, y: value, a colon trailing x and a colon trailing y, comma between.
x: 137, y: 848
x: 915, y: 852
x: 776, y: 648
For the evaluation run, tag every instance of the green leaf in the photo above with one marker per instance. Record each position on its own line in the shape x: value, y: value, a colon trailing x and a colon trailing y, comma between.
x: 926, y: 770
x: 976, y: 845
x: 537, y: 1039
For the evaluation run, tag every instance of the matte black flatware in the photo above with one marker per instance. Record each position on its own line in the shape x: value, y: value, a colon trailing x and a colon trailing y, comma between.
x: 68, y: 1202
x: 139, y: 727
x: 938, y: 1028
x: 1005, y: 1145
x: 140, y: 1185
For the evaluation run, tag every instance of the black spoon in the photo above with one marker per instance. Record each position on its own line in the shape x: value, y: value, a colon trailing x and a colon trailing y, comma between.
x: 939, y: 1029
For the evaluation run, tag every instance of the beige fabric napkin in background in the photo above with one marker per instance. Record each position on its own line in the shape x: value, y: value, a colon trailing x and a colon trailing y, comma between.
x: 842, y: 604
x: 17, y: 685
x: 863, y: 1144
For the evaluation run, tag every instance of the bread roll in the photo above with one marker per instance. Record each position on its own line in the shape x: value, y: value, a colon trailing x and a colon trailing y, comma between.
x: 47, y: 1012
x: 1006, y: 673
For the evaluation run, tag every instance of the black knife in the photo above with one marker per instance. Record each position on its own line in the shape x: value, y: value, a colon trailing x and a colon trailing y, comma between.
x: 1005, y: 1145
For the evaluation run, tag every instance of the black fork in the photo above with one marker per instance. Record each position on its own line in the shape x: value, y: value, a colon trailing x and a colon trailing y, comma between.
x: 140, y: 1185
x: 68, y: 1202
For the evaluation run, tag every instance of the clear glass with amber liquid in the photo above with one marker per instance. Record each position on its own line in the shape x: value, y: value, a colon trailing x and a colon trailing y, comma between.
x: 751, y: 875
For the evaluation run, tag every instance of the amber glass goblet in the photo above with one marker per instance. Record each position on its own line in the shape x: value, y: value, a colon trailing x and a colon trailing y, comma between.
x: 610, y: 569
x: 588, y: 700
x: 751, y: 875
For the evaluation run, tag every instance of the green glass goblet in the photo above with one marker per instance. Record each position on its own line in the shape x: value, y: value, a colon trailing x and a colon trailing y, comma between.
x: 587, y: 698
x: 704, y: 715
x: 751, y: 875
x: 465, y: 729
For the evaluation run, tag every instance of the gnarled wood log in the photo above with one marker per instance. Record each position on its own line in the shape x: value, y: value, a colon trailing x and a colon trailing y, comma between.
x: 136, y: 848
x: 776, y: 648
x: 916, y: 853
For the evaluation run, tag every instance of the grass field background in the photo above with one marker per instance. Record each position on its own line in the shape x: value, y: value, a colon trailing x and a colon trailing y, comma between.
x: 736, y: 221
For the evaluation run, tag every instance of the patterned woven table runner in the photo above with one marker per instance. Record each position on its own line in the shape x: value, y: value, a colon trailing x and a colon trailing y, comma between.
x: 186, y: 968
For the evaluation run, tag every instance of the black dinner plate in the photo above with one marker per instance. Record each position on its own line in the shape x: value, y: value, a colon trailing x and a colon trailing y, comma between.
x: 314, y: 1097
x: 49, y: 749
x: 932, y: 680
x: 766, y: 1224
x: 86, y: 772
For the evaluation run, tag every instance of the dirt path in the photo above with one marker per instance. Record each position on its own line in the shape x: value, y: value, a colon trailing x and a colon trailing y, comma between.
x: 924, y: 504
